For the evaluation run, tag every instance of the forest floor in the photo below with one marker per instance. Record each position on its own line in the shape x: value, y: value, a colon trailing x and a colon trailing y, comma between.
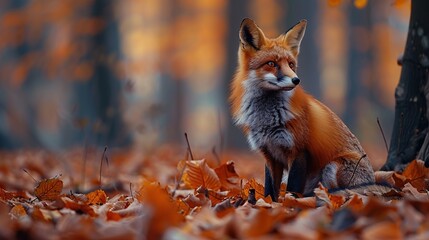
x: 114, y: 194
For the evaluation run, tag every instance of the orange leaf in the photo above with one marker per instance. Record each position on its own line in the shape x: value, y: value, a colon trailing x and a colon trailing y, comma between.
x: 37, y: 214
x: 333, y: 201
x: 79, y: 207
x: 113, y: 216
x: 263, y: 222
x: 97, y: 197
x: 253, y: 184
x: 383, y: 230
x: 18, y: 211
x: 355, y: 203
x: 228, y: 177
x: 302, y: 203
x: 165, y: 213
x: 416, y: 172
x: 5, y: 195
x: 198, y: 173
x: 49, y: 189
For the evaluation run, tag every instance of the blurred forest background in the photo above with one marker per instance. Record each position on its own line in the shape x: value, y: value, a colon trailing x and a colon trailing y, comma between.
x: 139, y: 74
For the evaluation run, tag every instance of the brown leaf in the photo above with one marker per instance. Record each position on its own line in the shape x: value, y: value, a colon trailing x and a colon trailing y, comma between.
x: 302, y: 203
x: 416, y: 172
x: 113, y: 216
x: 49, y: 189
x: 97, y: 197
x: 262, y: 222
x: 228, y: 177
x: 333, y: 201
x: 198, y: 173
x: 383, y: 230
x: 413, y: 193
x: 384, y: 177
x: 355, y: 203
x: 79, y: 207
x: 253, y: 184
x: 18, y: 211
x: 5, y: 195
x: 165, y: 213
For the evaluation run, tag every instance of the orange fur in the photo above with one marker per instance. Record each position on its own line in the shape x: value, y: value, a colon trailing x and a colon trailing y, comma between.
x: 316, y: 130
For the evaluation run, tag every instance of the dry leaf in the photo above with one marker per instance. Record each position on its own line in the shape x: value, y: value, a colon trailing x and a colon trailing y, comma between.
x: 333, y: 201
x: 262, y: 221
x: 78, y: 207
x: 383, y: 177
x: 49, y: 189
x: 253, y: 184
x: 383, y: 230
x: 302, y: 203
x: 198, y: 173
x: 18, y: 211
x: 97, y: 197
x: 416, y: 172
x: 228, y: 177
x: 5, y: 195
x: 165, y: 213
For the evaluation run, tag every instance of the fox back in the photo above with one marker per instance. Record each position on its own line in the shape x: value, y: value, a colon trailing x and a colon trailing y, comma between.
x: 295, y: 133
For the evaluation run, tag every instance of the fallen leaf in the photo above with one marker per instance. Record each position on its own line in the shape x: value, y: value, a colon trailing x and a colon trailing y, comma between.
x: 49, y: 189
x: 5, y: 195
x: 383, y: 230
x: 262, y: 221
x: 113, y: 216
x: 413, y: 193
x: 228, y: 177
x: 78, y: 207
x: 333, y: 201
x: 383, y: 177
x: 301, y: 203
x: 165, y: 213
x: 416, y: 172
x: 198, y: 173
x: 253, y: 184
x: 97, y: 197
x: 18, y: 211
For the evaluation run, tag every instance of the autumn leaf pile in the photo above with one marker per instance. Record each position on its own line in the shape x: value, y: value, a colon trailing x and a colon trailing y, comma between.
x: 161, y: 195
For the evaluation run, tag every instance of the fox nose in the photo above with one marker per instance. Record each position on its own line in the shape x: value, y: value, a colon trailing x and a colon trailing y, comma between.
x: 295, y: 80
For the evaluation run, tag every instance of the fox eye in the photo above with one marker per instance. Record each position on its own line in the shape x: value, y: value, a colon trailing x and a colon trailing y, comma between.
x: 291, y: 64
x: 271, y: 64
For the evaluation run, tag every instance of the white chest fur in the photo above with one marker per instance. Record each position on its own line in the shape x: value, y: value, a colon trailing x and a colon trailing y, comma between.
x: 265, y: 113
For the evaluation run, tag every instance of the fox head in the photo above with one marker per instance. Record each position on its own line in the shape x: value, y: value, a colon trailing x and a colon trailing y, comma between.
x: 270, y: 63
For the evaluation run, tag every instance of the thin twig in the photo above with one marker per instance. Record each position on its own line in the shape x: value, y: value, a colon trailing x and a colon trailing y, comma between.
x: 354, y: 171
x: 101, y: 162
x: 189, y: 146
x: 25, y: 170
x: 382, y: 133
x: 131, y: 191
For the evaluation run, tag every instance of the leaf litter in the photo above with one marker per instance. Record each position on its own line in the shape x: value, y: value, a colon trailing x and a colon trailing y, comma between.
x: 162, y: 196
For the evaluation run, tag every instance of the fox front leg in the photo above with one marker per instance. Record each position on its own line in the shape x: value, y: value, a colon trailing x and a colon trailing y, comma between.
x: 297, y: 175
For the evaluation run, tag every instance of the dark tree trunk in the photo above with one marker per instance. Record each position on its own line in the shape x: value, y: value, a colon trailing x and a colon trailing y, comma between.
x: 411, y: 120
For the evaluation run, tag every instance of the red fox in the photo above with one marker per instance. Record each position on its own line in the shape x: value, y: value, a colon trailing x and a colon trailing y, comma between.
x: 294, y: 132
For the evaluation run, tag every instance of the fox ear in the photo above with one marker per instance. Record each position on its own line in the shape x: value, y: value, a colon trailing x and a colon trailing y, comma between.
x: 294, y: 35
x: 251, y: 35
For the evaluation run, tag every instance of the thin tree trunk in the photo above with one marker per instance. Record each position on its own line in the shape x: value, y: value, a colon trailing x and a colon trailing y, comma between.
x: 411, y: 122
